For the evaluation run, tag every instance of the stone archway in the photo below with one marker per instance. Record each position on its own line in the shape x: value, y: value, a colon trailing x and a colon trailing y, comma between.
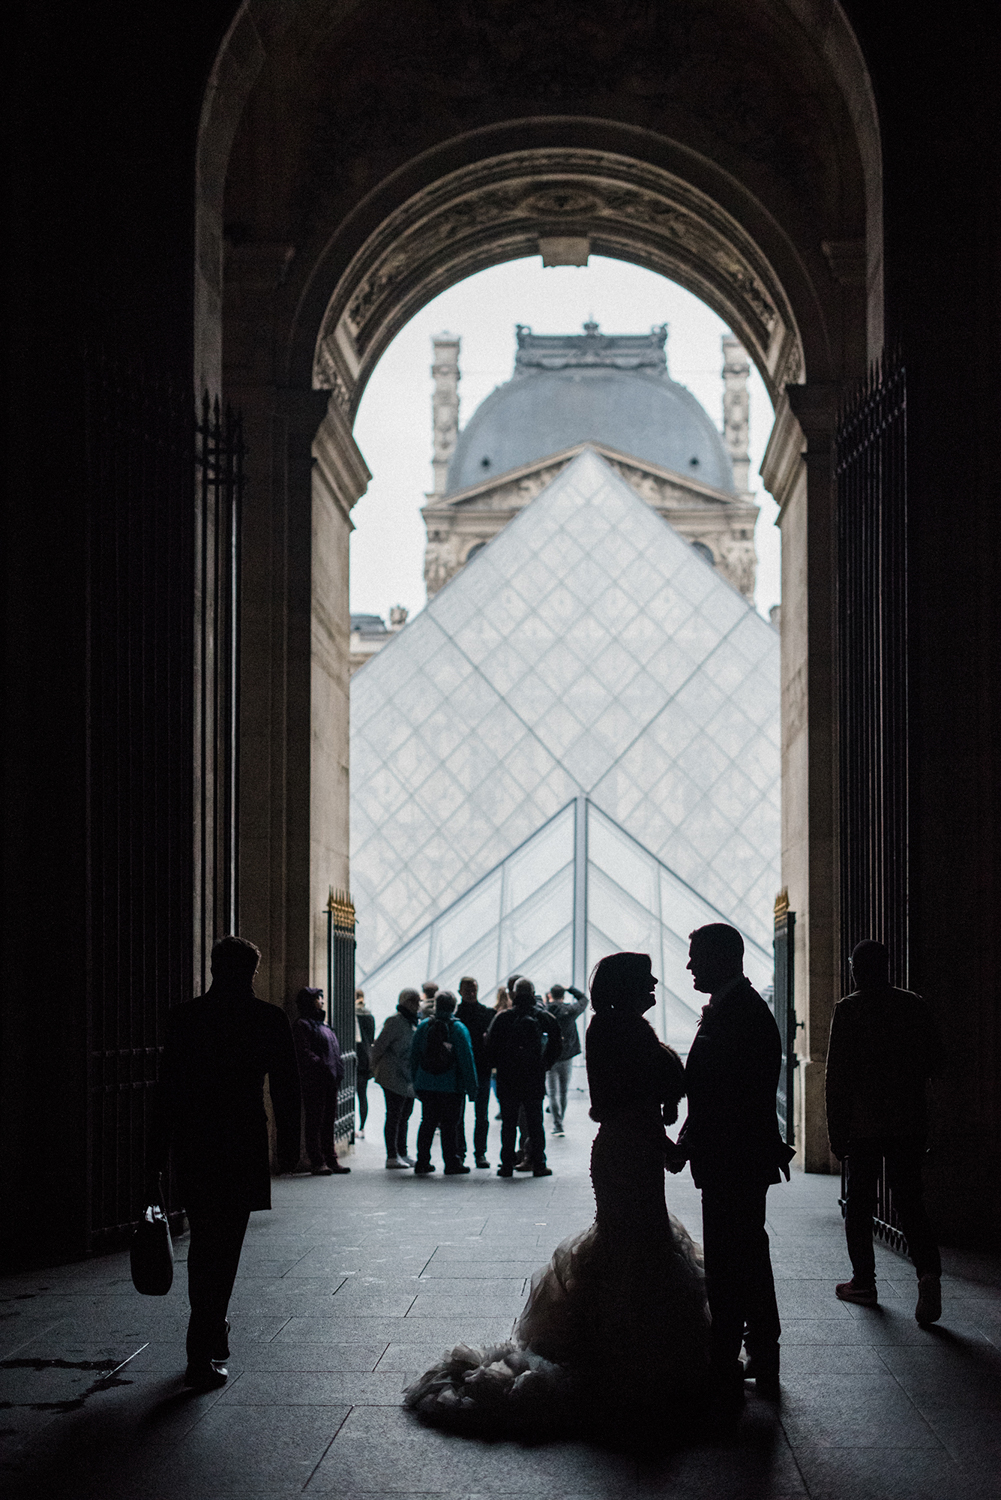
x: 318, y: 279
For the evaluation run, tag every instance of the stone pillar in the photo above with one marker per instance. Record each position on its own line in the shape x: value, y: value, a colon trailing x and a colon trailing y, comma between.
x: 736, y: 368
x: 798, y: 471
x: 303, y: 473
x: 444, y: 405
x: 339, y: 478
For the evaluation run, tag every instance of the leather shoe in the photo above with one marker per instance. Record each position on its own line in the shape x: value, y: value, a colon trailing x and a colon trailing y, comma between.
x: 766, y: 1381
x: 323, y: 1171
x: 460, y: 1171
x: 424, y: 1170
x: 338, y: 1170
x: 481, y: 1161
x: 505, y: 1171
x: 929, y: 1308
x: 205, y: 1375
x: 542, y: 1171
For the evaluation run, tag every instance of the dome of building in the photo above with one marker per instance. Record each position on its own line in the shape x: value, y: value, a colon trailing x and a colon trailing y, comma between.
x: 610, y: 389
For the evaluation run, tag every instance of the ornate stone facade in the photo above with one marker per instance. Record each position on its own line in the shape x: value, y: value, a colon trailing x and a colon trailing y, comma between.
x: 719, y: 522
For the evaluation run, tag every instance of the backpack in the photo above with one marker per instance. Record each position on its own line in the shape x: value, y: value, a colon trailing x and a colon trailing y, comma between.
x: 527, y: 1040
x: 439, y: 1049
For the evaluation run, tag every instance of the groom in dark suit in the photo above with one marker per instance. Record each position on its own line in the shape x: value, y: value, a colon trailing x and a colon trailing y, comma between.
x: 732, y: 1141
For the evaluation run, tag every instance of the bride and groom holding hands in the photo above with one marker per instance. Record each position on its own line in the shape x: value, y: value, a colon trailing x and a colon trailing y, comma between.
x: 630, y: 1318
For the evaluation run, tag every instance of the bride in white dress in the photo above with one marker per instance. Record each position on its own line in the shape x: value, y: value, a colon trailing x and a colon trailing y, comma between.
x: 617, y: 1323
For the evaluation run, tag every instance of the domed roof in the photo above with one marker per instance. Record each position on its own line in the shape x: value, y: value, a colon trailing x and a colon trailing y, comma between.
x: 570, y: 389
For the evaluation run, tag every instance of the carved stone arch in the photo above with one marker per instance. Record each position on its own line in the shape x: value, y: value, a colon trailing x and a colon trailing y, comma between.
x: 259, y: 30
x: 763, y: 196
x: 499, y: 208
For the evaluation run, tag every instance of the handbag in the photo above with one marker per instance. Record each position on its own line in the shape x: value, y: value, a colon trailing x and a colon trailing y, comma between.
x: 151, y: 1254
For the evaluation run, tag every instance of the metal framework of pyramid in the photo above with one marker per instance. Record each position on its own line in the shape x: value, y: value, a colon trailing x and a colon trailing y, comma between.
x: 586, y: 670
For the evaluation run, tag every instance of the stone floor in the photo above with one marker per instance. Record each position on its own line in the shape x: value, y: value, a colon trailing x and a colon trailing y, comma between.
x: 349, y: 1287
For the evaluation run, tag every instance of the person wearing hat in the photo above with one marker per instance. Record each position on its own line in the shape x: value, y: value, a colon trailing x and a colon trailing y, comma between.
x: 320, y: 1071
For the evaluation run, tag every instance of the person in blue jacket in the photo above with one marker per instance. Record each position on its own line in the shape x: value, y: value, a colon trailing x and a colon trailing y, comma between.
x: 441, y: 1062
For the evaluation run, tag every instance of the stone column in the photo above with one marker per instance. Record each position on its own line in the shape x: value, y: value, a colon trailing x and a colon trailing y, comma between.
x: 444, y: 405
x: 339, y: 478
x: 736, y: 368
x: 798, y: 471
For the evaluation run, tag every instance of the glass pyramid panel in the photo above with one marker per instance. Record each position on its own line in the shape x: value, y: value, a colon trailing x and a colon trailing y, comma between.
x: 521, y: 918
x: 587, y: 650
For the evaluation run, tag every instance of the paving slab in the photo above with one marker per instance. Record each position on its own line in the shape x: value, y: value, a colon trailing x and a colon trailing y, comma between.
x: 350, y: 1287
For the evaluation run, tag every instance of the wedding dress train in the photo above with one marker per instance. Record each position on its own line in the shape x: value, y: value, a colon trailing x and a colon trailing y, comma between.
x: 616, y: 1326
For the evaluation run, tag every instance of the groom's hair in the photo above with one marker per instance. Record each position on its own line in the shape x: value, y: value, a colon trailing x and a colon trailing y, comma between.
x: 721, y: 940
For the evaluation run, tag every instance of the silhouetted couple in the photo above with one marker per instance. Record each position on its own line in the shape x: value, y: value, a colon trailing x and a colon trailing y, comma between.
x: 617, y: 1327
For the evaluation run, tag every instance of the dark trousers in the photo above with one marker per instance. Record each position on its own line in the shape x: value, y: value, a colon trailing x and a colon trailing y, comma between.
x: 557, y: 1088
x: 903, y: 1175
x: 319, y: 1097
x: 439, y: 1111
x: 398, y: 1111
x: 213, y: 1257
x: 739, y: 1281
x: 481, y: 1120
x: 511, y: 1103
x: 361, y: 1088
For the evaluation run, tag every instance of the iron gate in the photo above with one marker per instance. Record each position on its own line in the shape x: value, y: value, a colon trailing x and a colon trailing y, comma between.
x: 341, y: 1002
x: 162, y: 506
x: 785, y: 1014
x: 874, y: 742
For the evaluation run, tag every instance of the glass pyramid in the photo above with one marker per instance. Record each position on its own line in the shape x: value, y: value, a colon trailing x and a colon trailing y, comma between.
x: 586, y: 652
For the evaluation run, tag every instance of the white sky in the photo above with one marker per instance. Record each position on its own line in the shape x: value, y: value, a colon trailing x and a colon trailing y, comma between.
x: 393, y: 427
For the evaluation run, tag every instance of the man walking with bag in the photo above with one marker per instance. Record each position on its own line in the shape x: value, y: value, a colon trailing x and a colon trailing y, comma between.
x: 209, y: 1117
x: 522, y: 1044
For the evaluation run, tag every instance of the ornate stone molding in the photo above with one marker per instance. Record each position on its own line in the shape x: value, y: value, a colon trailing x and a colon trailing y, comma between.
x: 499, y: 209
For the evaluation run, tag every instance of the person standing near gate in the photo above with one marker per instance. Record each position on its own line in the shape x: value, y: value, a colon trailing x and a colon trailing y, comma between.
x: 391, y: 1071
x: 732, y: 1141
x: 884, y: 1047
x: 208, y: 1116
x: 364, y: 1038
x: 320, y: 1072
x: 476, y: 1018
x: 522, y: 1044
x: 441, y: 1062
x: 565, y: 1013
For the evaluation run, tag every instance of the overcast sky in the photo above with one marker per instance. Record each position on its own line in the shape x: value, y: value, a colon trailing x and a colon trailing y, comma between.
x: 393, y: 428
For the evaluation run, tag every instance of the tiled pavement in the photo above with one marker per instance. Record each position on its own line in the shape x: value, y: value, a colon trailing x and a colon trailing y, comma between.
x: 351, y: 1285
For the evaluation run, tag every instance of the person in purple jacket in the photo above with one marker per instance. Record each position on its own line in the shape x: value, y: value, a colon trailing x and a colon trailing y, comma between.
x: 321, y: 1071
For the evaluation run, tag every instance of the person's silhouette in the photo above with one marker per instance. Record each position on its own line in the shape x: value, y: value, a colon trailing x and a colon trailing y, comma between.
x: 731, y: 1139
x: 209, y: 1117
x: 884, y: 1047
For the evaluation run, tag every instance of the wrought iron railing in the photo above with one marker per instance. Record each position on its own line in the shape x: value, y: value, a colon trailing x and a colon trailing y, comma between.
x: 885, y: 1224
x: 219, y: 455
x: 160, y: 566
x: 873, y: 679
x: 784, y: 1002
x: 341, y: 1002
